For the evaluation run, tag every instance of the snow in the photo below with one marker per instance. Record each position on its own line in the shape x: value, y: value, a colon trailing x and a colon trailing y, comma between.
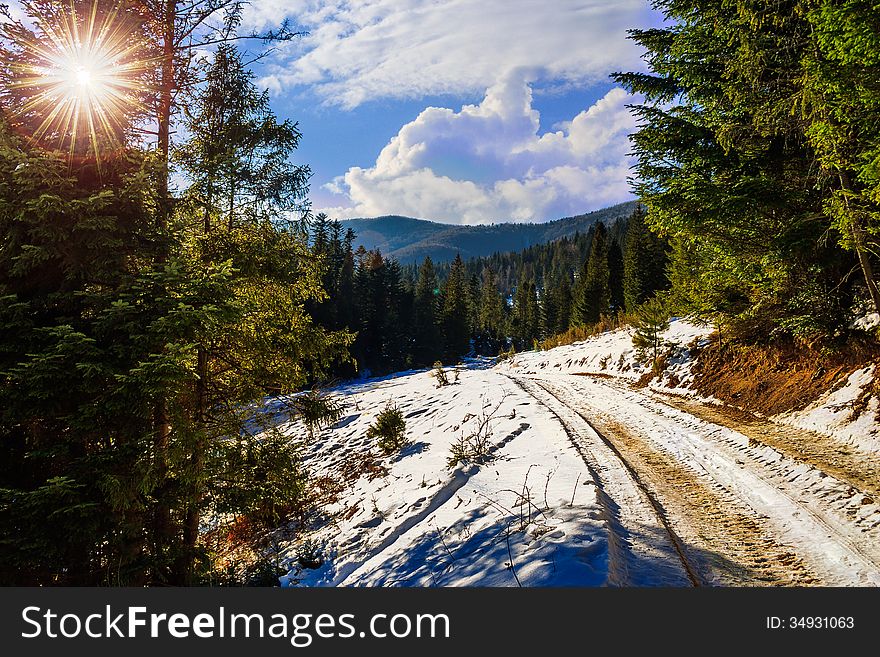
x: 425, y: 524
x: 776, y: 488
x: 553, y: 503
x: 867, y: 322
x: 612, y: 353
x: 832, y: 413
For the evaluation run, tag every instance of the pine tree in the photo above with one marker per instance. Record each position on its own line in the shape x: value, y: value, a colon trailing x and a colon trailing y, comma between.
x: 564, y: 303
x: 491, y: 324
x: 427, y: 346
x: 75, y: 382
x: 644, y: 262
x: 652, y: 319
x: 533, y: 315
x: 548, y: 308
x: 525, y: 317
x: 344, y: 299
x: 617, y: 300
x: 455, y: 329
x: 593, y: 294
x: 842, y: 89
x: 370, y: 296
x: 134, y: 312
x: 724, y: 158
x: 243, y: 189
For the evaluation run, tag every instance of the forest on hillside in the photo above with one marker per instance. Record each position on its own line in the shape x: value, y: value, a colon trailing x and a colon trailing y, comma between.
x: 143, y: 323
x: 406, y: 316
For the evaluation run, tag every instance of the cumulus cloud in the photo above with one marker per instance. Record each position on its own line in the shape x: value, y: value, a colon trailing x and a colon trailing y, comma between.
x: 490, y: 162
x: 360, y: 50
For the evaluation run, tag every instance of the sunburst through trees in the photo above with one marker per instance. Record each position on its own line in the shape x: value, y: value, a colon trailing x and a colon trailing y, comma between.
x: 76, y: 77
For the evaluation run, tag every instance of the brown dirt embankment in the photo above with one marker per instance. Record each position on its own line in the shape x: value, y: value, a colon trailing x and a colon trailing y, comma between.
x: 772, y: 379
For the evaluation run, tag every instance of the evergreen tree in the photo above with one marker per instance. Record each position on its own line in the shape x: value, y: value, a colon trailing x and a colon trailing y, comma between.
x: 369, y: 291
x: 533, y: 314
x: 615, y: 277
x: 156, y: 324
x: 397, y: 315
x: 652, y: 319
x: 473, y: 295
x: 75, y: 379
x: 548, y: 308
x: 564, y: 303
x: 344, y: 298
x: 842, y: 89
x: 455, y: 329
x: 243, y: 188
x: 644, y: 262
x: 491, y: 322
x: 724, y: 158
x: 592, y: 297
x: 525, y: 319
x: 427, y: 346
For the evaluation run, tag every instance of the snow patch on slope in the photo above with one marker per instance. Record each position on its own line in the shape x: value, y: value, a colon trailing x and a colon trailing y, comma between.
x: 528, y: 517
x: 612, y: 354
x: 832, y: 414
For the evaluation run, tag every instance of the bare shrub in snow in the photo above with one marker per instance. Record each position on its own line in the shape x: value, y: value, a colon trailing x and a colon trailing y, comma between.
x: 475, y: 446
x: 506, y: 355
x: 309, y: 554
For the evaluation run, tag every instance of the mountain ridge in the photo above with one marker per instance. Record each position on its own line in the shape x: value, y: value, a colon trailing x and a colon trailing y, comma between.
x: 409, y: 240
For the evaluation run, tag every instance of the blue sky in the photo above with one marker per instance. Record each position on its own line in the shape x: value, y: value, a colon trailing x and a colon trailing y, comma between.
x: 460, y: 111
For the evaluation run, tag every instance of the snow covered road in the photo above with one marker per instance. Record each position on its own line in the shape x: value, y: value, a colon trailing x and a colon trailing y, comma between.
x: 589, y: 480
x: 743, y: 513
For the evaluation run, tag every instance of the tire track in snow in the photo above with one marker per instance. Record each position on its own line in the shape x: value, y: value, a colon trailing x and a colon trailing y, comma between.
x: 722, y: 459
x: 643, y: 547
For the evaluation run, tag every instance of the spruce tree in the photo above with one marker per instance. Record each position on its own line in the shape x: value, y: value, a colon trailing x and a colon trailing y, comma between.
x: 615, y: 277
x: 644, y: 262
x: 652, y: 319
x: 455, y: 328
x: 593, y: 295
x: 75, y: 378
x: 549, y: 310
x: 491, y: 326
x: 725, y: 159
x: 842, y: 93
x: 427, y: 346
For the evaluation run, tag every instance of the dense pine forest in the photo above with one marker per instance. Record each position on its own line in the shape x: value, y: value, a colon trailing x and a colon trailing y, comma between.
x: 409, y: 316
x: 161, y: 271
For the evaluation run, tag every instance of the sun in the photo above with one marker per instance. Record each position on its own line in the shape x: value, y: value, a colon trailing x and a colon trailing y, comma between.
x: 81, y: 78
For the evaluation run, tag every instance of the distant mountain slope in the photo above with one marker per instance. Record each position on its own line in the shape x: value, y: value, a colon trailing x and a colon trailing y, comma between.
x: 410, y: 240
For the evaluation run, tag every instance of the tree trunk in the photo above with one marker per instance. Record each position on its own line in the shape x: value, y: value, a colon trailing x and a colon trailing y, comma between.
x: 163, y: 527
x: 858, y: 234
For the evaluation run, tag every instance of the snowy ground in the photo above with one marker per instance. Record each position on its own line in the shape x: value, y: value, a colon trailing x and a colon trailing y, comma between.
x: 530, y: 514
x: 592, y: 482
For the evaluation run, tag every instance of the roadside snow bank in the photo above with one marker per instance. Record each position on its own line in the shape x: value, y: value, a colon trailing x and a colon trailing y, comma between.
x: 612, y: 354
x: 837, y: 414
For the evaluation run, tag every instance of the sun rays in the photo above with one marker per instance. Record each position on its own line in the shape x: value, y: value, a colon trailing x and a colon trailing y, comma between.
x: 80, y: 79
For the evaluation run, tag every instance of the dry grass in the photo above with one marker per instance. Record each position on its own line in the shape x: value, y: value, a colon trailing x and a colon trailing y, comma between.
x: 581, y: 333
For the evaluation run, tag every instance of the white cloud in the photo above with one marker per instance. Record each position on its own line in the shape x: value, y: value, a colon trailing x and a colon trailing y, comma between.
x: 360, y: 50
x: 489, y: 162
